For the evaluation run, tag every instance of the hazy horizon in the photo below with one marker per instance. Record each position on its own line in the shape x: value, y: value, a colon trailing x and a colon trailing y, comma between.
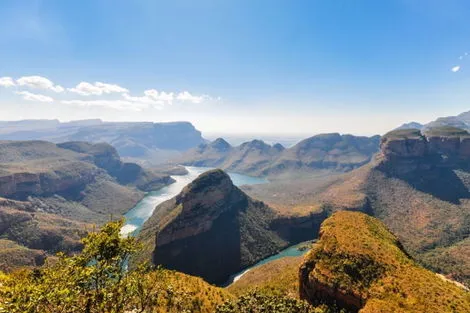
x: 237, y: 67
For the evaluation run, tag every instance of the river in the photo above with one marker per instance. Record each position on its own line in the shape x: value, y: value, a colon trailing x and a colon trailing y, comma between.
x: 296, y: 250
x: 136, y: 217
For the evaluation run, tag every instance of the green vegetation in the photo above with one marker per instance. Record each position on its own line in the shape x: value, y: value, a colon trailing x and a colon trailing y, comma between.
x: 446, y: 131
x: 433, y: 230
x: 258, y: 302
x: 94, y: 281
x: 403, y: 134
x: 279, y: 278
x: 359, y: 259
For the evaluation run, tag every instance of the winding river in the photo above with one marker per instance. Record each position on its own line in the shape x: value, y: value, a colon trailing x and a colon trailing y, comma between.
x: 296, y: 250
x: 136, y: 217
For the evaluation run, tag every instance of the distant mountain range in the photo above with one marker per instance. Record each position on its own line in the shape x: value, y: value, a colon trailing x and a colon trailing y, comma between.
x: 460, y: 121
x: 321, y: 152
x: 418, y: 185
x: 142, y: 141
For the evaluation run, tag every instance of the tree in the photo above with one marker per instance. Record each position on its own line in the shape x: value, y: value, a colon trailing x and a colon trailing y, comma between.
x: 96, y: 280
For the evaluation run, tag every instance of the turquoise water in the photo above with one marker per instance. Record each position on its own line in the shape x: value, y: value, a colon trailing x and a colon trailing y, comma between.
x: 291, y: 251
x: 137, y: 216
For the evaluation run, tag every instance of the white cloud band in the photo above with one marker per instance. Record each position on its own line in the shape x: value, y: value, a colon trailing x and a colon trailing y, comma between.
x: 150, y: 99
x: 39, y: 82
x: 97, y: 89
x: 29, y: 96
x: 7, y: 82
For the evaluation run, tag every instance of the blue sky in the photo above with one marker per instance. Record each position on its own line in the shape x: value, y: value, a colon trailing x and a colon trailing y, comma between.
x: 272, y: 67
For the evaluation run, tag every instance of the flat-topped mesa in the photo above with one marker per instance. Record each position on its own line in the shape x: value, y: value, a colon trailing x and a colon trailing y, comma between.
x: 404, y: 143
x: 411, y: 149
x: 449, y: 141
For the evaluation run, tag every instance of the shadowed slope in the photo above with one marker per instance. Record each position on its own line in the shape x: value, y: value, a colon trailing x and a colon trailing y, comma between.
x: 211, y: 229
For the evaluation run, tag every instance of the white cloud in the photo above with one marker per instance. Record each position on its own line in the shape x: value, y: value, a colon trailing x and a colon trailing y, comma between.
x: 97, y: 89
x: 186, y: 96
x: 7, y: 82
x: 29, y: 96
x: 160, y: 96
x: 112, y: 104
x: 455, y: 69
x: 39, y: 82
x: 152, y: 98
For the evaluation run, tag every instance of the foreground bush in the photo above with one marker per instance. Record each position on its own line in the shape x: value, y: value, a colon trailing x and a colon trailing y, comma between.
x: 95, y: 281
x: 258, y: 302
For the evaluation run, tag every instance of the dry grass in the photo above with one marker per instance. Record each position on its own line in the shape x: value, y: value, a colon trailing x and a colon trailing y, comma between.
x: 279, y: 277
x: 358, y: 255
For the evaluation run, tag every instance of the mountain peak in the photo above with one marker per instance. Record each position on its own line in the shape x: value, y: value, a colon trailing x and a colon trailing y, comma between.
x: 279, y: 147
x: 220, y: 144
x: 410, y: 125
x: 211, y: 229
x: 211, y: 179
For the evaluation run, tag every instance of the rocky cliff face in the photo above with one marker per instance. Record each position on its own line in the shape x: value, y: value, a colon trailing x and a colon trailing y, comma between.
x: 405, y: 151
x: 105, y: 156
x: 61, y: 181
x: 211, y: 229
x: 33, y: 168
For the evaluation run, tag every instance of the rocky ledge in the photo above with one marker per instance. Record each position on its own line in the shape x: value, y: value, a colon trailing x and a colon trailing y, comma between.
x: 406, y: 150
